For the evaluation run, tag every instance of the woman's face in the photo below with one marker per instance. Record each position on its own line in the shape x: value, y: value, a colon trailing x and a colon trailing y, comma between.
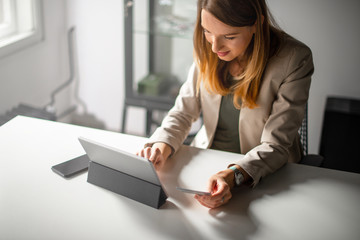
x: 227, y: 42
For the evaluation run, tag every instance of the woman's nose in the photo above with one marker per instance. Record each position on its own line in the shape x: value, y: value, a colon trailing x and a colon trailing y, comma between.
x: 216, y: 44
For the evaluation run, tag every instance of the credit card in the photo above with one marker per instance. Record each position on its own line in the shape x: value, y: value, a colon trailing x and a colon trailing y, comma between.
x: 185, y: 190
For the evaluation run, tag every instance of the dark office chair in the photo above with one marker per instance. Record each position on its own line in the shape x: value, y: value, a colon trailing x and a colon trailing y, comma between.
x: 339, y: 142
x: 340, y: 131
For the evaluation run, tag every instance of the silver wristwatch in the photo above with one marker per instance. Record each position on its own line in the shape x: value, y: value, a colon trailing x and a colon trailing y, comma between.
x: 239, y: 177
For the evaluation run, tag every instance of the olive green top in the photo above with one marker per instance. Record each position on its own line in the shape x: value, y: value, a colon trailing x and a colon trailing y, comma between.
x: 227, y: 131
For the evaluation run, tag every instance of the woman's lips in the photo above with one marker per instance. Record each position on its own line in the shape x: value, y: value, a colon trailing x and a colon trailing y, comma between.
x: 222, y: 54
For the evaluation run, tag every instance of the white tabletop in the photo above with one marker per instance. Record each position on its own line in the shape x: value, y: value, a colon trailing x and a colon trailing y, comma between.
x: 297, y: 202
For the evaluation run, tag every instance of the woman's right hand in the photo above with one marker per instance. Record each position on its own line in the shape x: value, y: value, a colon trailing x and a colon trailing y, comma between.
x: 157, y: 154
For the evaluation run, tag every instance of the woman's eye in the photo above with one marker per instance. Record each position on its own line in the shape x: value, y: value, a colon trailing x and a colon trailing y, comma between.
x: 229, y: 38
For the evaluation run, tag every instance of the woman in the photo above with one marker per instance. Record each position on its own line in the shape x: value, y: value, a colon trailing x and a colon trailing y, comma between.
x: 251, y: 84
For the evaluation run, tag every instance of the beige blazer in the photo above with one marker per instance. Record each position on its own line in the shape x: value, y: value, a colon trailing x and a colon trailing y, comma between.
x: 269, y: 133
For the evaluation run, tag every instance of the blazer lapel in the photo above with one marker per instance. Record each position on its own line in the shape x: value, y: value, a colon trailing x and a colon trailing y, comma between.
x: 211, y: 104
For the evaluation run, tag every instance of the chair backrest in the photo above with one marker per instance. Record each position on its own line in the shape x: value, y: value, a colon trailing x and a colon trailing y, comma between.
x: 339, y: 142
x: 303, y: 131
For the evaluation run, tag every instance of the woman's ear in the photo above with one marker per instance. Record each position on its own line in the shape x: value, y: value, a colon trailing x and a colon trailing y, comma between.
x: 262, y: 20
x: 255, y: 24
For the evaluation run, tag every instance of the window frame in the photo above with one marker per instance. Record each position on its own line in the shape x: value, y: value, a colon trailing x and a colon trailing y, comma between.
x: 22, y: 34
x: 7, y: 26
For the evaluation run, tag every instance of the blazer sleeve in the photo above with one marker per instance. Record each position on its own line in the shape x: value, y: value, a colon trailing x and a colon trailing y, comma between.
x: 280, y: 131
x: 177, y: 123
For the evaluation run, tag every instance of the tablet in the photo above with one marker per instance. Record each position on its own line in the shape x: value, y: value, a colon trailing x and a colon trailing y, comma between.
x: 120, y: 160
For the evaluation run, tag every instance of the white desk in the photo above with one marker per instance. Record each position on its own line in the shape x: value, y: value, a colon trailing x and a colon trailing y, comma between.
x: 297, y: 202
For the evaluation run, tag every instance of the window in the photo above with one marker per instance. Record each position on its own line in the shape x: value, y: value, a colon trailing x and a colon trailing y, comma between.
x: 20, y: 25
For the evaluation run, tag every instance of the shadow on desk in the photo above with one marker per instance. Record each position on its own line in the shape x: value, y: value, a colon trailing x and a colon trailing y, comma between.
x: 293, y: 197
x: 296, y: 202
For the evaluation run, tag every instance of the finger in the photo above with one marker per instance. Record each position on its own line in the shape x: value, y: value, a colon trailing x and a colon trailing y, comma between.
x: 220, y: 188
x: 226, y: 198
x: 147, y: 153
x: 212, y: 185
x: 216, y: 200
x: 140, y: 153
x: 154, y: 156
x: 203, y: 202
x: 212, y: 202
x: 206, y: 205
x: 203, y: 198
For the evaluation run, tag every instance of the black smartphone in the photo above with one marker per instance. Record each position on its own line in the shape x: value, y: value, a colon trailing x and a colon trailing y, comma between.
x: 72, y: 167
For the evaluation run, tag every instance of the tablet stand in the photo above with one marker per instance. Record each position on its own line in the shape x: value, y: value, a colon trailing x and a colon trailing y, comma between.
x: 129, y: 186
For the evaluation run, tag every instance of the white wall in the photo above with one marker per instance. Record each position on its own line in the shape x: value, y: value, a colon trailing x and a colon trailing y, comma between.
x: 30, y: 75
x: 331, y: 29
x: 100, y: 63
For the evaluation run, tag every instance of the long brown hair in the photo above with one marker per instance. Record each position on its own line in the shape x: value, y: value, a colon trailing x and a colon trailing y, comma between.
x: 213, y: 71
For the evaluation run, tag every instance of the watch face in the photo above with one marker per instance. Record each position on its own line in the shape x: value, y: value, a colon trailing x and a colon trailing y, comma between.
x: 238, y: 178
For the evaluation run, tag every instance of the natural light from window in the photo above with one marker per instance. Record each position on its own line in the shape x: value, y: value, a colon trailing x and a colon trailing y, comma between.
x: 20, y: 25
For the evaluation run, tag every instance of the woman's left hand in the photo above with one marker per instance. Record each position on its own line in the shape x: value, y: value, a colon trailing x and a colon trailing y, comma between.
x: 220, y: 185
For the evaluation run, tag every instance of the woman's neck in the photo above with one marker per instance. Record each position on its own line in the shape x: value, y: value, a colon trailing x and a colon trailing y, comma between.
x: 236, y: 67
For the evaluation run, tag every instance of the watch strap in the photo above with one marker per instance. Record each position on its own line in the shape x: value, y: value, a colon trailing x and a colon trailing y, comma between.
x: 233, y: 168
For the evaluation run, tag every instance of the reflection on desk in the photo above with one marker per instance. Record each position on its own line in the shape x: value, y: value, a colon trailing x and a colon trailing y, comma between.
x: 296, y: 202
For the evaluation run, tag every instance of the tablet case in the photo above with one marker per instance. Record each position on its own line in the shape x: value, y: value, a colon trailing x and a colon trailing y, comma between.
x: 126, y: 185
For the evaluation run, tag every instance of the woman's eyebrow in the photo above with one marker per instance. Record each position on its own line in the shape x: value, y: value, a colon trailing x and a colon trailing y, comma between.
x: 235, y: 33
x: 226, y: 34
